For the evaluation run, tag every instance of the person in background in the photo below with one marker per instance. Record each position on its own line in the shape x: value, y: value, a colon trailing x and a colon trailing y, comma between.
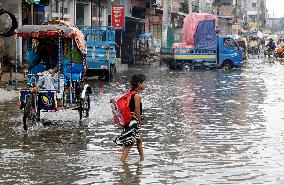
x: 228, y: 42
x: 271, y: 45
x: 47, y: 54
x: 253, y: 46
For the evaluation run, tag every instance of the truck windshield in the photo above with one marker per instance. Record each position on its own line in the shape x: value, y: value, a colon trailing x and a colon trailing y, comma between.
x: 230, y: 44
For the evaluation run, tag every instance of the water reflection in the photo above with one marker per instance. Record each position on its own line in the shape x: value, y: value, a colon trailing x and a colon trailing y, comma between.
x: 202, y: 127
x: 129, y: 174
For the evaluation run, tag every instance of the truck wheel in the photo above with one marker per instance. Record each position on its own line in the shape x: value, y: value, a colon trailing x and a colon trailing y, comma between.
x: 179, y: 66
x: 172, y: 66
x: 227, y: 65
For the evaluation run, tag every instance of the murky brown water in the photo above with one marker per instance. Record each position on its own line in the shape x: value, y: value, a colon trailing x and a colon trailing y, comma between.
x: 203, y: 127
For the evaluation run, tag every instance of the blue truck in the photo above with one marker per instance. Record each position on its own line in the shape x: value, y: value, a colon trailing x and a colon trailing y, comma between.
x: 203, y: 47
x: 227, y: 54
x: 101, y: 53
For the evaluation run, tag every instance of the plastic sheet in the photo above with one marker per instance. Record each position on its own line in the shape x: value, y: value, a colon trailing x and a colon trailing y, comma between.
x: 190, y: 25
x: 182, y: 45
x: 205, y: 36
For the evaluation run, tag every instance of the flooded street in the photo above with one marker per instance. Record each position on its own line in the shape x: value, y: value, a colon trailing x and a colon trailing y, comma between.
x: 202, y: 127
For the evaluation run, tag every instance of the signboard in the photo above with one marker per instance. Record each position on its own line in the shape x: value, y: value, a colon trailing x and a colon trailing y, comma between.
x: 117, y: 16
x: 236, y: 26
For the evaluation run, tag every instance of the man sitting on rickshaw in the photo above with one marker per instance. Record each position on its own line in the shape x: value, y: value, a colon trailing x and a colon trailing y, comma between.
x: 47, y: 56
x: 253, y: 46
x: 271, y: 45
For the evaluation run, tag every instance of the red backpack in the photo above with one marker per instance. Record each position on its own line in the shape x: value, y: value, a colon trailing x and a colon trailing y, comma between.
x: 121, y: 110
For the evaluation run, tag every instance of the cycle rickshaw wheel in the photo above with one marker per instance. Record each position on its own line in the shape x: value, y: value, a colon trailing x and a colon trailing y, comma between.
x: 29, y: 112
x: 84, y: 106
x: 87, y: 108
x: 26, y: 115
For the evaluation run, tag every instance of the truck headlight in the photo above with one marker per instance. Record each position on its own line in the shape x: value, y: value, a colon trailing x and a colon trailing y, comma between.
x: 103, y: 67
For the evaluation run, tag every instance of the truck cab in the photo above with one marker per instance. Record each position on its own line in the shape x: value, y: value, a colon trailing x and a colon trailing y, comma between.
x: 229, y: 53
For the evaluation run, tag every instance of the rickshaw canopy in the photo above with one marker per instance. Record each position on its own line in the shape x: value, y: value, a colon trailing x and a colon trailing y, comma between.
x: 53, y: 29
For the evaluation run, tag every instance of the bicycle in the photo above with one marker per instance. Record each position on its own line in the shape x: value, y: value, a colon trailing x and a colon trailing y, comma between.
x: 30, y: 105
x: 270, y: 54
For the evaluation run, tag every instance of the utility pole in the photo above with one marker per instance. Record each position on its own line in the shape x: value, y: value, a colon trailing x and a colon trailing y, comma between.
x: 201, y: 6
x: 99, y: 3
x: 258, y: 13
x: 165, y: 21
x: 189, y: 6
x: 62, y: 10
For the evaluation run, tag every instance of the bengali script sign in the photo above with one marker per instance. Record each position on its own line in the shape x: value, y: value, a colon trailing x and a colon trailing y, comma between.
x: 117, y: 16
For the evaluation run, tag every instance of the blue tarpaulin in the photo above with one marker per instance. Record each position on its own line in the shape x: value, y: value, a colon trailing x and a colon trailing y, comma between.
x: 205, y: 36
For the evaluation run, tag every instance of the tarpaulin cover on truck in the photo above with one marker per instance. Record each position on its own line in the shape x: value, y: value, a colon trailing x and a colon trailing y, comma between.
x: 198, y: 24
x: 182, y: 45
x: 205, y: 36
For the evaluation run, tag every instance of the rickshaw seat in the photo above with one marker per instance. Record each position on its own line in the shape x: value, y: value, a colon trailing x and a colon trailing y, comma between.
x: 77, y: 70
x: 75, y: 77
x: 76, y: 67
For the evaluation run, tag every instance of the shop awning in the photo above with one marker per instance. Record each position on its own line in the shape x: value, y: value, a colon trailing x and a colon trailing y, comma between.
x: 33, y: 1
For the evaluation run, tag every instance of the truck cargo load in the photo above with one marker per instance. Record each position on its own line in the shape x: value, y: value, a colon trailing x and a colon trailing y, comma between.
x: 205, y: 36
x: 199, y: 30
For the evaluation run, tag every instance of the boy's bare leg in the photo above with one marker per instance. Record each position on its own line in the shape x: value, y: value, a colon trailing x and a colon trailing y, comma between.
x: 140, y: 148
x: 125, y: 153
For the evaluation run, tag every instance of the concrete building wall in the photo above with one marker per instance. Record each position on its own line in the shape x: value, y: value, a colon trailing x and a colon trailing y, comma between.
x: 52, y: 11
x: 9, y: 44
x: 256, y: 13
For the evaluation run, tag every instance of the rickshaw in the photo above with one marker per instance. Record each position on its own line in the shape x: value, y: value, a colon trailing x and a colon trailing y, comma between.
x: 243, y: 44
x: 253, y: 46
x: 271, y: 53
x: 59, y: 88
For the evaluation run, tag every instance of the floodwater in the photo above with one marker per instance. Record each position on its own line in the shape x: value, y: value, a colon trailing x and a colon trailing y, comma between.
x: 202, y: 127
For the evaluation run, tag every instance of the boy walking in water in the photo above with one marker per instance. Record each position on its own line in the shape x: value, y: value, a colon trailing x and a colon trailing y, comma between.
x: 130, y: 134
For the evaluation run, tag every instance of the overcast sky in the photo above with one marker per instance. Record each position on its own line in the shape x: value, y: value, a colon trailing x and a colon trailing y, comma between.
x: 276, y: 6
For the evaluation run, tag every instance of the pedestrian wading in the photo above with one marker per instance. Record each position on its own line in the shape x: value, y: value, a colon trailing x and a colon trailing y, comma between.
x: 130, y: 134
